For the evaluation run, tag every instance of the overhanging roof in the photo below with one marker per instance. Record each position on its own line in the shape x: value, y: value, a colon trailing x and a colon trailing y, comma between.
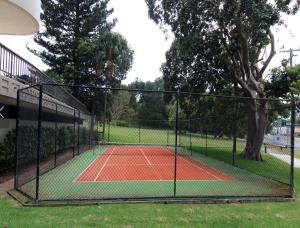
x: 19, y: 17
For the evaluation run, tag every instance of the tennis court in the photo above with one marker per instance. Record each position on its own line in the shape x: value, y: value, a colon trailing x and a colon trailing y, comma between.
x: 68, y: 154
x: 125, y: 172
x: 131, y: 163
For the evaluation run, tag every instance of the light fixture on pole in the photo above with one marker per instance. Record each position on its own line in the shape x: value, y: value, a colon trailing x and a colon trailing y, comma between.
x: 19, y: 17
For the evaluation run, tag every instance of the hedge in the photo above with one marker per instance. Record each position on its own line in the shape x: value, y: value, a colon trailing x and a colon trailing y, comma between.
x: 28, y: 144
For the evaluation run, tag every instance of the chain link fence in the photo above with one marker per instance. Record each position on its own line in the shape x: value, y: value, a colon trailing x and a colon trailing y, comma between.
x: 138, y: 144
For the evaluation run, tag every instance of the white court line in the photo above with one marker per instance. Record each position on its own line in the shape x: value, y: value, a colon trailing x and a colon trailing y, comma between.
x: 104, y: 164
x: 200, y: 168
x: 76, y: 179
x: 141, y: 164
x: 145, y: 157
x: 153, y: 170
x: 197, y: 166
x: 83, y: 182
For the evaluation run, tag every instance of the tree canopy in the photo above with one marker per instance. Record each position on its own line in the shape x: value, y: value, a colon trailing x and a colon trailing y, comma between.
x: 220, y: 44
x: 284, y: 81
x: 78, y: 43
x: 66, y: 23
x: 81, y: 49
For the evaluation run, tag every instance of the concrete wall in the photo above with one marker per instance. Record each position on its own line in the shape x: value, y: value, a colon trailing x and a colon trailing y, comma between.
x: 8, y: 90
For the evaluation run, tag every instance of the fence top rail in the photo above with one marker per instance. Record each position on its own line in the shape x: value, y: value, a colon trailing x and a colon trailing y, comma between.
x: 59, y: 104
x: 38, y: 86
x: 172, y: 92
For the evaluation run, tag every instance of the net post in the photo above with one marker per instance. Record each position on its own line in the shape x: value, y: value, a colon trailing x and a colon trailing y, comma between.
x: 293, y: 116
x: 39, y: 146
x: 234, y: 132
x: 16, y: 140
x: 78, y: 131
x: 55, y: 137
x: 74, y: 131
x: 176, y: 136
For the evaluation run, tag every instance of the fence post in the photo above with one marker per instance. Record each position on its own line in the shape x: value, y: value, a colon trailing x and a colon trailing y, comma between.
x: 108, y: 131
x: 234, y: 132
x: 265, y: 148
x: 190, y: 136
x: 179, y: 135
x: 78, y: 133
x: 16, y: 142
x: 93, y: 134
x: 139, y: 133
x: 167, y: 136
x: 90, y: 132
x: 104, y: 118
x: 39, y: 146
x: 98, y: 138
x: 176, y: 136
x: 293, y: 114
x: 205, y: 142
x: 74, y: 131
x: 55, y: 137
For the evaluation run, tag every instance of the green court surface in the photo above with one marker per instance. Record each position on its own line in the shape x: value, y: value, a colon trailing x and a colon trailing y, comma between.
x: 60, y: 184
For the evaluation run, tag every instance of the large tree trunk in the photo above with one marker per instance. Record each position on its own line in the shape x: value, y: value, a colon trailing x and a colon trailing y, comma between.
x: 257, y: 122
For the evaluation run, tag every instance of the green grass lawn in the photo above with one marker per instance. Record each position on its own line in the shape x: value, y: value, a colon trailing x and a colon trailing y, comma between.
x: 259, y: 214
x: 149, y: 215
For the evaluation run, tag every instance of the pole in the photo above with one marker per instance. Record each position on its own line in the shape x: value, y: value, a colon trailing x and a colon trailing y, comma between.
x: 206, y: 142
x: 265, y: 147
x: 293, y: 114
x: 167, y: 136
x: 104, y: 118
x: 55, y: 137
x: 139, y: 133
x: 90, y: 132
x: 234, y: 132
x: 98, y: 138
x: 39, y: 146
x: 93, y: 135
x: 291, y: 57
x: 190, y: 136
x: 109, y: 131
x: 78, y: 133
x: 176, y: 136
x: 74, y: 131
x: 291, y: 53
x: 17, y: 141
x: 179, y: 135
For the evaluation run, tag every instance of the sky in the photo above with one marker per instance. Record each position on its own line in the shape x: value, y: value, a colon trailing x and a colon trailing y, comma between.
x: 149, y: 42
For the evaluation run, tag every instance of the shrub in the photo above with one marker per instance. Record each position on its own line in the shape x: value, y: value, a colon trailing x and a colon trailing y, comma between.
x: 28, y: 144
x: 7, y: 151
